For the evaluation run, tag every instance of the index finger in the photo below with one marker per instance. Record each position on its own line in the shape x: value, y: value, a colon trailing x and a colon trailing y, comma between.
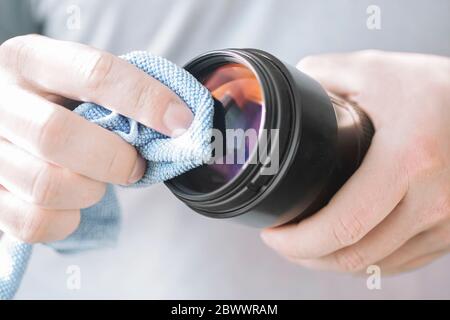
x: 62, y: 137
x: 83, y: 73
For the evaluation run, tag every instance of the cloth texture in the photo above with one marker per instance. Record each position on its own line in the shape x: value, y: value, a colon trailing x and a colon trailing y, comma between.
x: 166, y: 158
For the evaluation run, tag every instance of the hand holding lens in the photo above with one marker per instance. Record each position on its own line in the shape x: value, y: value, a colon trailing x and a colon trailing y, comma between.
x: 285, y: 147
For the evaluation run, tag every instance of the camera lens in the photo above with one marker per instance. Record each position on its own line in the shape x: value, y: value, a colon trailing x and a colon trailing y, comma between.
x: 311, y: 141
x: 239, y: 107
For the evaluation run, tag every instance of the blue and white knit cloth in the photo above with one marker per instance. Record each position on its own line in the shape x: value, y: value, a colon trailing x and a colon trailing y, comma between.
x: 166, y: 158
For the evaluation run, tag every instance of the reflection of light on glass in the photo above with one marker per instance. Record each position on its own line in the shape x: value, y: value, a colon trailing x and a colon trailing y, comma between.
x: 240, y: 113
x: 238, y: 90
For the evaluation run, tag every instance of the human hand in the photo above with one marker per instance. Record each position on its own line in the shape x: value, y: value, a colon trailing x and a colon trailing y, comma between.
x: 395, y: 210
x: 52, y: 161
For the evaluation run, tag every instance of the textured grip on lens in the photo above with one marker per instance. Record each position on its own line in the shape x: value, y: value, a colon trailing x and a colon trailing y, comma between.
x: 355, y: 131
x: 367, y: 129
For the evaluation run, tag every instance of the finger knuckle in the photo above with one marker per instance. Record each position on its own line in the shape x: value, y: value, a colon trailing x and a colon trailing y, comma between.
x: 12, y: 50
x: 53, y: 134
x: 98, y: 67
x: 45, y: 185
x: 140, y: 97
x: 350, y: 260
x: 423, y: 156
x: 150, y: 100
x: 348, y: 230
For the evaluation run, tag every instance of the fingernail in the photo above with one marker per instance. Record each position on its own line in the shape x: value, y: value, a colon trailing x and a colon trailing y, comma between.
x: 177, y: 118
x: 138, y: 171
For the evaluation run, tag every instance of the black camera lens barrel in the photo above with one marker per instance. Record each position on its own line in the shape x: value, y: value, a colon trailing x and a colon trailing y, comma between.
x: 322, y: 140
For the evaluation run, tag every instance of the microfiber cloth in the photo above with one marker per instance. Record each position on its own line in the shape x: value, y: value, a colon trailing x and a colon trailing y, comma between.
x: 166, y: 158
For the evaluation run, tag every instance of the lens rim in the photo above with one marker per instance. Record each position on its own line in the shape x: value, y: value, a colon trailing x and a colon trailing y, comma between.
x: 243, y: 190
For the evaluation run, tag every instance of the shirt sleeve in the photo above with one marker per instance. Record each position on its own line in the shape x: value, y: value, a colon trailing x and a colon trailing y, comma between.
x: 16, y: 18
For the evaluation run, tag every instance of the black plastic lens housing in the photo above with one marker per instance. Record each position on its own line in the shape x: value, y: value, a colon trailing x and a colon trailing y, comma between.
x: 321, y: 140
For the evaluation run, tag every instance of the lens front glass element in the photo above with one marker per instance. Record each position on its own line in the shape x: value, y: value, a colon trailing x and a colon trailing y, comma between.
x: 239, y: 117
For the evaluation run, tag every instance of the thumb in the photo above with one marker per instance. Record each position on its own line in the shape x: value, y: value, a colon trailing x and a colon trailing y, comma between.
x: 337, y: 73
